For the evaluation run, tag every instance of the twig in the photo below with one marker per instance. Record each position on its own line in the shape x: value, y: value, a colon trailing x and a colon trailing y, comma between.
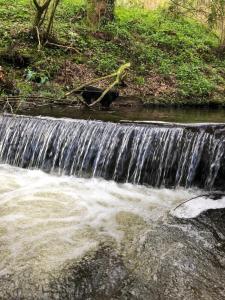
x: 39, y: 40
x: 90, y: 82
x: 62, y: 46
x: 203, y: 195
x: 10, y: 106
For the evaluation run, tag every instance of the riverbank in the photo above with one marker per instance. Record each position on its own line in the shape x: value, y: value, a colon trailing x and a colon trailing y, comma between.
x: 175, y: 61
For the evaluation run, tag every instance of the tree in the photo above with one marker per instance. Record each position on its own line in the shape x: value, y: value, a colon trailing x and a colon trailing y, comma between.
x: 213, y: 11
x: 44, y: 17
x: 216, y: 18
x: 100, y: 12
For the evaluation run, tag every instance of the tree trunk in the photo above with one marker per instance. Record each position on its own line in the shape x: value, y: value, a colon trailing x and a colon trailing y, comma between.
x: 41, y: 10
x: 100, y: 12
x: 51, y: 18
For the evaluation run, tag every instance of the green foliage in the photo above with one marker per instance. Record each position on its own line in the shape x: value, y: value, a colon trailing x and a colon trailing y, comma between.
x: 192, y: 82
x: 140, y: 80
x: 157, y: 43
x: 38, y: 77
x: 211, y: 10
x: 104, y: 63
x: 175, y: 47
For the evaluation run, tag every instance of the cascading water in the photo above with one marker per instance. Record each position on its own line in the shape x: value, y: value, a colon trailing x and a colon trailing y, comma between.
x: 64, y: 237
x: 142, y: 154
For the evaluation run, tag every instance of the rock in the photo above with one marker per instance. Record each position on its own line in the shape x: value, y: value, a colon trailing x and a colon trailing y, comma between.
x: 176, y: 259
x: 97, y: 276
x: 181, y: 259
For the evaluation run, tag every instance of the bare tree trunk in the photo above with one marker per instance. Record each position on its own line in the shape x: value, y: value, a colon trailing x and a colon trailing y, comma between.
x: 100, y: 11
x: 40, y: 13
x: 51, y: 18
x: 222, y: 39
x: 44, y: 16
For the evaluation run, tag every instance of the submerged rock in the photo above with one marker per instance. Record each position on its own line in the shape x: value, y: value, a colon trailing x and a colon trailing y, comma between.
x: 97, y: 276
x: 177, y: 259
x: 181, y: 259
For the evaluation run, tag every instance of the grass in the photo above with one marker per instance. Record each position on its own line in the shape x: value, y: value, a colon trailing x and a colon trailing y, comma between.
x: 174, y: 60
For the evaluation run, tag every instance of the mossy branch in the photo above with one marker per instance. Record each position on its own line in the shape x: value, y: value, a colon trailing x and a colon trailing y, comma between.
x: 119, y: 74
x: 90, y: 82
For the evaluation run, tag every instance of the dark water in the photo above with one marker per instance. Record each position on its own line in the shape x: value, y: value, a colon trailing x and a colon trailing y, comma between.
x: 184, y: 115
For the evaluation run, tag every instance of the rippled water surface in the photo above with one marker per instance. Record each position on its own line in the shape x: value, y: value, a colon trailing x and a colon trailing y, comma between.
x: 46, y: 220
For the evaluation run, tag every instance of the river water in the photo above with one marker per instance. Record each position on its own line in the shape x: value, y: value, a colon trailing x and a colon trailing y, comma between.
x: 50, y: 224
x: 46, y: 220
x: 166, y: 114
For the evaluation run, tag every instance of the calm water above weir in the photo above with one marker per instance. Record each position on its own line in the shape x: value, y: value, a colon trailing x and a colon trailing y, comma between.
x: 184, y: 115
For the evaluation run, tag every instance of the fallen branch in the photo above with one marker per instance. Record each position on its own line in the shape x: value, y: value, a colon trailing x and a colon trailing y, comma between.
x: 9, y: 105
x: 82, y: 101
x: 119, y: 74
x: 90, y: 82
x: 15, y: 103
x: 104, y: 93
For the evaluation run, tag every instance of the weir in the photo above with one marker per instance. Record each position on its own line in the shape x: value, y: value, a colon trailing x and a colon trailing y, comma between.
x: 167, y: 155
x: 59, y: 233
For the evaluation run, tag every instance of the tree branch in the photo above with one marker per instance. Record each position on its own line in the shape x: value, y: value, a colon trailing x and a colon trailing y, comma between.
x: 36, y: 4
x: 119, y: 76
x: 90, y: 82
x: 46, y: 4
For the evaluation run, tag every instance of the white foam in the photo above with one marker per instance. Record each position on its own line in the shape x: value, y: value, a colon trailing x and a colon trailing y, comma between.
x: 46, y: 220
x: 195, y: 207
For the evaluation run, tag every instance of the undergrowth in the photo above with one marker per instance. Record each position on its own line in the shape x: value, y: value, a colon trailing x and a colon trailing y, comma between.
x: 174, y: 60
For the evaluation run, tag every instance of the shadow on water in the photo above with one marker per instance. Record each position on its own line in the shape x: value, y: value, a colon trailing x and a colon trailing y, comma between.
x: 184, y: 115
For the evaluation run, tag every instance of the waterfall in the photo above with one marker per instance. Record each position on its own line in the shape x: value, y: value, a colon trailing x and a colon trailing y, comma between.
x: 156, y: 155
